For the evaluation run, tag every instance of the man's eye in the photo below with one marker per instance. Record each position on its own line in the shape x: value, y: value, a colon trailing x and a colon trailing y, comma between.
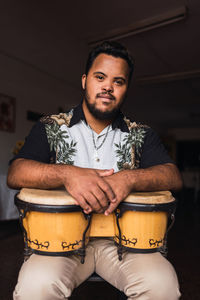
x: 119, y: 82
x: 99, y: 77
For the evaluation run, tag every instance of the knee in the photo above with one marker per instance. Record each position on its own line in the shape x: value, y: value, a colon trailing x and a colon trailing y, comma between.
x: 41, y: 282
x: 155, y: 285
x: 162, y: 285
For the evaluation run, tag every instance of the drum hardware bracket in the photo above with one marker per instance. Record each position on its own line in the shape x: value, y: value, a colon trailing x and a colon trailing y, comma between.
x: 164, y: 248
x: 120, y: 247
x: 81, y: 251
x: 119, y: 211
x: 27, y: 250
x: 87, y: 216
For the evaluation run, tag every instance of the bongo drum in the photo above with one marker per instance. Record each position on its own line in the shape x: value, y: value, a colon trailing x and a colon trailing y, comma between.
x: 52, y: 224
x: 142, y: 222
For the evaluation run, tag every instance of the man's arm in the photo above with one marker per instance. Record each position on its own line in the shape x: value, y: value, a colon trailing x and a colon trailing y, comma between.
x: 33, y: 174
x: 156, y: 178
x: 87, y: 186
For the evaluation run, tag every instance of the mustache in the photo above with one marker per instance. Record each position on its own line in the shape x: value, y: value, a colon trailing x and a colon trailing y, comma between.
x: 110, y: 96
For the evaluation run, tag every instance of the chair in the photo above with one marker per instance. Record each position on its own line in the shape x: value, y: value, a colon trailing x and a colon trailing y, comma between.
x: 96, y: 278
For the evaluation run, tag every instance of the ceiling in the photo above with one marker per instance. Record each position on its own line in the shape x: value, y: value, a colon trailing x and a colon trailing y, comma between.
x: 53, y: 38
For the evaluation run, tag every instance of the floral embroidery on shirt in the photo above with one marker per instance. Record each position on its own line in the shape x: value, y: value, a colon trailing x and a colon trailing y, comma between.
x: 57, y: 138
x: 62, y: 118
x: 129, y: 150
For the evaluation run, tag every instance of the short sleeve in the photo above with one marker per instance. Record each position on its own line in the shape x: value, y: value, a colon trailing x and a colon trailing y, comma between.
x: 153, y: 151
x: 36, y: 146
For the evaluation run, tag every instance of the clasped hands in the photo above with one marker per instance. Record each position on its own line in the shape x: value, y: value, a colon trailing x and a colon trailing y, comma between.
x: 96, y: 190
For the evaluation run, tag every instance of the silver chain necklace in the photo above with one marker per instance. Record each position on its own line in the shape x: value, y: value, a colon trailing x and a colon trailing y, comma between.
x: 98, y: 147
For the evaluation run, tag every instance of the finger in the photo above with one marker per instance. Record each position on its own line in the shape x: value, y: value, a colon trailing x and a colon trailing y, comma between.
x: 102, y: 198
x: 111, y: 208
x: 106, y: 172
x: 83, y: 203
x: 87, y: 212
x: 93, y: 202
x: 106, y: 188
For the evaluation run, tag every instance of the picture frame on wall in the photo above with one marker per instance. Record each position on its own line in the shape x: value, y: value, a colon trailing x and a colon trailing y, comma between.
x: 7, y: 113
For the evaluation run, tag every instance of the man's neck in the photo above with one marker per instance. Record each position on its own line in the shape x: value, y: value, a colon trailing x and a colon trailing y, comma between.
x: 95, y: 124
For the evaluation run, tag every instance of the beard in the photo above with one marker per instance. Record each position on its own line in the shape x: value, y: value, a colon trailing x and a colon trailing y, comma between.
x: 98, y: 114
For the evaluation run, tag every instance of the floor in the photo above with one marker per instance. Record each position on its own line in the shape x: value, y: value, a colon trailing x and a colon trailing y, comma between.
x: 183, y: 244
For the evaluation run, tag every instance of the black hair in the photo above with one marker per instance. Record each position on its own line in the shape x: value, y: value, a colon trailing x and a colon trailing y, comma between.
x: 111, y: 48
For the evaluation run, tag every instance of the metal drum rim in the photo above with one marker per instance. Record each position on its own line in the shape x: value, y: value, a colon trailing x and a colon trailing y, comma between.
x: 148, y: 207
x: 45, y: 207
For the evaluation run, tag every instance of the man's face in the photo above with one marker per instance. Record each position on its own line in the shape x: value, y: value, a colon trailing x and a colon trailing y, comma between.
x: 105, y: 86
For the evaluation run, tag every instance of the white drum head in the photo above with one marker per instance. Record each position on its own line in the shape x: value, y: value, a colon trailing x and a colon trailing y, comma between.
x: 150, y: 197
x: 47, y: 197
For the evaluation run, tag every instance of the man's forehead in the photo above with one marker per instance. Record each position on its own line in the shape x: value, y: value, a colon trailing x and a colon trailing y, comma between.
x: 110, y: 63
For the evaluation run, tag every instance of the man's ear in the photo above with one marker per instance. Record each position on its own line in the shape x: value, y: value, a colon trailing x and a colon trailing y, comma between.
x: 84, y: 81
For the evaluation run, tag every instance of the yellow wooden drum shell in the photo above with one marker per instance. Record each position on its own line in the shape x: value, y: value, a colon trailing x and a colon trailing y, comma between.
x: 143, y: 221
x: 142, y: 230
x: 55, y: 232
x: 52, y: 227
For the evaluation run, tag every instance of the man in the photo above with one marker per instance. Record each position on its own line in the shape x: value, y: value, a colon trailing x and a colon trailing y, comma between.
x: 99, y: 156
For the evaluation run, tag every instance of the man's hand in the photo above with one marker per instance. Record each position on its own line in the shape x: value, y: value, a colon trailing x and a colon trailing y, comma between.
x: 165, y: 177
x: 90, y: 189
x: 122, y: 188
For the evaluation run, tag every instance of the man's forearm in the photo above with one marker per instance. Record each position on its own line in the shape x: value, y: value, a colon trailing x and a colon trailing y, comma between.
x: 156, y: 178
x: 29, y: 173
x: 87, y: 186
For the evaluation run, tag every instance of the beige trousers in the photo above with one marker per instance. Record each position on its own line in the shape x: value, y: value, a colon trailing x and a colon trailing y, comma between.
x: 139, y: 276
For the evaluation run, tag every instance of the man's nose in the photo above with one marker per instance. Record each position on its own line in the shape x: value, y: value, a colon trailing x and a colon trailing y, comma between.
x: 108, y: 86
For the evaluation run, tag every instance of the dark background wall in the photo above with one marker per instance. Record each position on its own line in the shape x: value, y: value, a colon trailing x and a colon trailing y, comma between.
x: 44, y: 46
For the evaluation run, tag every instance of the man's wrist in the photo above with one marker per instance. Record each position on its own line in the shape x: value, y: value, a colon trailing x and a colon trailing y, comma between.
x: 129, y: 178
x: 62, y: 173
